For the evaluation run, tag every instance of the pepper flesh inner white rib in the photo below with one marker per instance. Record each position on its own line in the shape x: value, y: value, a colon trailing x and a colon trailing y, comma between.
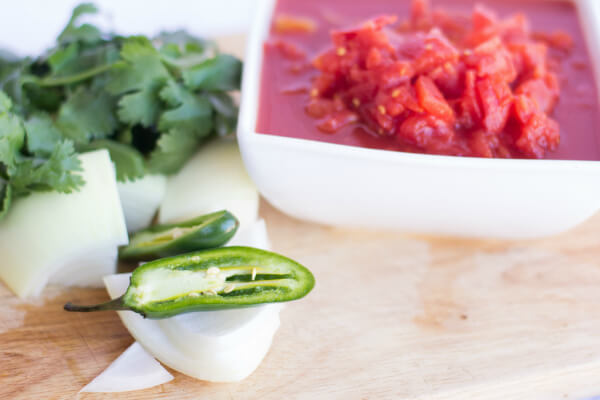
x: 165, y: 284
x: 154, y: 238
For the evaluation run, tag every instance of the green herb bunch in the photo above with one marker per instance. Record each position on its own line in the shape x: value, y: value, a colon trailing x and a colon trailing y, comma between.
x: 150, y: 103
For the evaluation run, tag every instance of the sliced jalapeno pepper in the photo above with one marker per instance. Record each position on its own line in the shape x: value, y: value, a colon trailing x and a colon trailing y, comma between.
x: 223, y: 278
x: 204, y: 232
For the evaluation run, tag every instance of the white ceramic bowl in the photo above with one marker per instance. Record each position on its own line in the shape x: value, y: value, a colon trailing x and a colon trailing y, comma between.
x: 358, y: 187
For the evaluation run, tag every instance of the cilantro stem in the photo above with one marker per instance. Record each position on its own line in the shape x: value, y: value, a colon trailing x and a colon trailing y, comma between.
x: 66, y: 80
x: 186, y: 62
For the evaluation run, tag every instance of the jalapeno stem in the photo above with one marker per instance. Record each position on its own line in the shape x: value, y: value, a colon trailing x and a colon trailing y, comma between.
x: 113, y: 305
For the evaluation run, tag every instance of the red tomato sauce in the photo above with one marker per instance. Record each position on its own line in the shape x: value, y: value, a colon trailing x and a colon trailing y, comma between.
x: 455, y: 79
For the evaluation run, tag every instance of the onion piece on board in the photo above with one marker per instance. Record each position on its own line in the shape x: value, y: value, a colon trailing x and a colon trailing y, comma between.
x: 217, y: 346
x: 254, y: 235
x: 135, y: 369
x: 214, y: 179
x: 79, y: 232
x: 140, y: 200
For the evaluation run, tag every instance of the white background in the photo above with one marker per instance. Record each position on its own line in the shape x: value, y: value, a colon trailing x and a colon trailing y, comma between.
x: 31, y: 26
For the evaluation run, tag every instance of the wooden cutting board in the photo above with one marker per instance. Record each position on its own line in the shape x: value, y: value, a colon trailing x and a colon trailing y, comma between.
x: 391, y: 316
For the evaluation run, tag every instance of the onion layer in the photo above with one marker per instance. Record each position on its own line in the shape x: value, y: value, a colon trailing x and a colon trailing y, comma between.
x: 72, y: 236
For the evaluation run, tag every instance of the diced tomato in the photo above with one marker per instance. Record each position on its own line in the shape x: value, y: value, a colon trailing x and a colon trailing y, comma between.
x: 496, y: 100
x: 293, y: 24
x: 483, y: 18
x: 337, y: 120
x: 436, y: 51
x: 454, y: 27
x: 559, y: 40
x: 485, y: 26
x: 395, y: 74
x: 491, y: 98
x: 319, y: 107
x: 470, y: 110
x: 524, y: 107
x: 432, y: 100
x: 515, y: 28
x: 324, y: 85
x: 420, y: 15
x: 491, y: 58
x: 539, y: 135
x: 449, y: 78
x: 365, y: 37
x: 287, y: 49
x: 393, y: 107
x: 407, y: 96
x: 374, y: 58
x: 384, y: 122
x: 480, y: 144
x: 380, y: 22
x: 424, y: 130
x: 540, y: 93
x: 529, y: 58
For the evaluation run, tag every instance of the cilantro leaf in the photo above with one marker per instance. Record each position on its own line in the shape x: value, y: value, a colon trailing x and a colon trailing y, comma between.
x: 37, y: 97
x: 74, y: 64
x: 5, y: 198
x: 183, y: 38
x: 190, y: 113
x: 85, y: 33
x: 42, y: 135
x: 142, y: 73
x: 5, y: 103
x: 10, y: 81
x: 149, y: 103
x: 129, y: 162
x: 87, y: 115
x: 142, y: 107
x: 63, y: 56
x: 12, y: 138
x: 172, y: 151
x: 221, y: 73
x: 180, y: 50
x: 170, y: 51
x: 57, y: 173
x: 142, y: 67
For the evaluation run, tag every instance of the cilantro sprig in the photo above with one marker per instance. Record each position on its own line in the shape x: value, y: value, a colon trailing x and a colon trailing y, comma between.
x: 149, y: 102
x: 33, y: 156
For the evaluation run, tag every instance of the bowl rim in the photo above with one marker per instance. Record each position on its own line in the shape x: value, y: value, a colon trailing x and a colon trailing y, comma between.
x: 589, y: 17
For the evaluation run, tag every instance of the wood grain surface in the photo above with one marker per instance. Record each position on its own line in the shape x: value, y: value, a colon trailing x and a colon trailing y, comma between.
x: 391, y: 317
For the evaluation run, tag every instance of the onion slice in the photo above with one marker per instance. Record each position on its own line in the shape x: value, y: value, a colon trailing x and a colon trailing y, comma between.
x: 214, y: 179
x: 217, y: 346
x: 74, y: 236
x: 135, y: 369
x: 140, y: 200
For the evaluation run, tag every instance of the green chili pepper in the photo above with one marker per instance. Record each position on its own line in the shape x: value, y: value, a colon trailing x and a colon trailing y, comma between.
x: 204, y: 232
x: 223, y: 278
